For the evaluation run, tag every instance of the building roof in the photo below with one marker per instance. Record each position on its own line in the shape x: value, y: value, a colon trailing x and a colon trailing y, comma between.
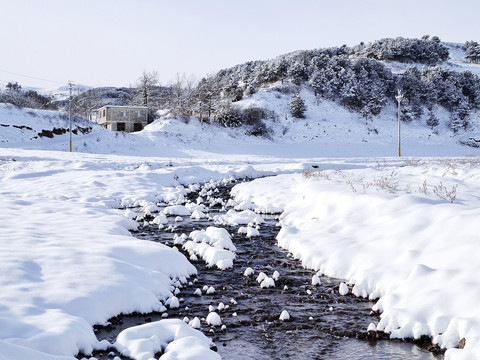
x: 124, y: 107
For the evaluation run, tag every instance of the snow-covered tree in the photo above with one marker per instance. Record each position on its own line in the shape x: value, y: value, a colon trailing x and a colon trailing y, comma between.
x: 472, y: 51
x: 432, y: 120
x: 297, y: 106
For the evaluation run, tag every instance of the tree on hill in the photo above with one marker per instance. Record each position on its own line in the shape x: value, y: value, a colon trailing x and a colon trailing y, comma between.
x: 13, y: 87
x: 16, y: 96
x: 297, y: 106
x: 426, y: 50
x: 432, y: 120
x: 472, y: 51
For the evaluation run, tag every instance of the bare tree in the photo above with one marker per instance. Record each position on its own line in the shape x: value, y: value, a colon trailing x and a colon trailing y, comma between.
x: 145, y: 84
x: 85, y: 103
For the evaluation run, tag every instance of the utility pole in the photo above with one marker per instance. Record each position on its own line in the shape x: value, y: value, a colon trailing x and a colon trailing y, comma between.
x: 70, y: 114
x: 399, y: 98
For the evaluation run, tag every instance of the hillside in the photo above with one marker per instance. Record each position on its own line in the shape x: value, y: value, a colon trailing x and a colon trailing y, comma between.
x: 328, y: 130
x: 349, y: 94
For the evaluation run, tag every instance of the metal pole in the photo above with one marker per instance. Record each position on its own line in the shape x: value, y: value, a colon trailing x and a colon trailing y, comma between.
x: 399, y: 98
x: 70, y: 114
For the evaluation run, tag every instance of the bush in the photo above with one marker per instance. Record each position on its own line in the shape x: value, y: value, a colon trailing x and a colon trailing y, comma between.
x: 229, y: 117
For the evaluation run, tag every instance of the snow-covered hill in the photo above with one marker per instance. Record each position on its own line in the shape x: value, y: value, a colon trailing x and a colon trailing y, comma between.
x: 328, y: 130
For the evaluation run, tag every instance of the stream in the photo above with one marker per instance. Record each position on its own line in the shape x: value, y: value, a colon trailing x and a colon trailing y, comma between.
x: 323, y: 324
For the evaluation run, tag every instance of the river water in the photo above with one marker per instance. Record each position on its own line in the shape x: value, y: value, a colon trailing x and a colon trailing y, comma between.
x: 323, y: 324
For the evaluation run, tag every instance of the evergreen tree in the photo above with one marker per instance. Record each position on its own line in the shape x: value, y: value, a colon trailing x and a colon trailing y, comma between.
x: 472, y: 51
x: 297, y: 106
x: 432, y: 120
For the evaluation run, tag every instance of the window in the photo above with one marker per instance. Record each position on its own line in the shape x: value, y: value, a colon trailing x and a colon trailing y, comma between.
x: 137, y: 126
x: 121, y: 126
x: 124, y: 113
x: 103, y: 113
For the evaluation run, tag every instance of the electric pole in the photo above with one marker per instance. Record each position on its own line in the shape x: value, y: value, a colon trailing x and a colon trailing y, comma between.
x: 70, y: 114
x: 399, y: 98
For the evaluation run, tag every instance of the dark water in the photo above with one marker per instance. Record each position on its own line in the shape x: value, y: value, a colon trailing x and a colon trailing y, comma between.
x: 323, y: 324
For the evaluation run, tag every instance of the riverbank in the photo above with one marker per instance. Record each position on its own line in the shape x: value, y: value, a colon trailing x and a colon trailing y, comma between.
x: 68, y: 248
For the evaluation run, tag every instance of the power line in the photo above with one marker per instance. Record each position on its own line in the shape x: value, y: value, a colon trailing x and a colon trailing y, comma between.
x: 32, y: 77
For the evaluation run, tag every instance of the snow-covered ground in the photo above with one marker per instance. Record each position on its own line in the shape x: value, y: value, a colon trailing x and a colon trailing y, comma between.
x: 401, y: 230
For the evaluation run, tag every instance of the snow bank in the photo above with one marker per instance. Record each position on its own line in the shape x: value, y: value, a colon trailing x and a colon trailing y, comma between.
x: 394, y: 237
x: 67, y: 258
x: 175, y: 338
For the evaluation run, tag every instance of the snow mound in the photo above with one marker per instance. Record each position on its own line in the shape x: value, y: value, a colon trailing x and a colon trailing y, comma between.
x: 173, y: 336
x: 234, y: 218
x: 176, y: 210
x: 214, y: 245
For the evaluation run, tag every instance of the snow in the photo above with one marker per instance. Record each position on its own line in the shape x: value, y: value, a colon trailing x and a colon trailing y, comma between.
x: 401, y: 230
x: 173, y: 336
x: 213, y: 319
x: 343, y: 289
x: 392, y: 237
x: 214, y: 245
x: 233, y: 218
x: 316, y: 280
x: 284, y: 316
x: 267, y: 283
x: 261, y: 276
x: 249, y: 231
x: 248, y: 271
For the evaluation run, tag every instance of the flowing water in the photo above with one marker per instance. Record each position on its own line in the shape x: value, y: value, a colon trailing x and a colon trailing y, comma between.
x: 323, y: 324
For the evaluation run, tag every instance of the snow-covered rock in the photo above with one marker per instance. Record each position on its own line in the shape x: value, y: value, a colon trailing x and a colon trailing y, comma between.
x: 171, y: 336
x: 284, y: 316
x: 213, y: 319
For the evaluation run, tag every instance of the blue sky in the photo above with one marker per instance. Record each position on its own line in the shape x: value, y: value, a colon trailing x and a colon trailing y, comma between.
x: 111, y: 42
